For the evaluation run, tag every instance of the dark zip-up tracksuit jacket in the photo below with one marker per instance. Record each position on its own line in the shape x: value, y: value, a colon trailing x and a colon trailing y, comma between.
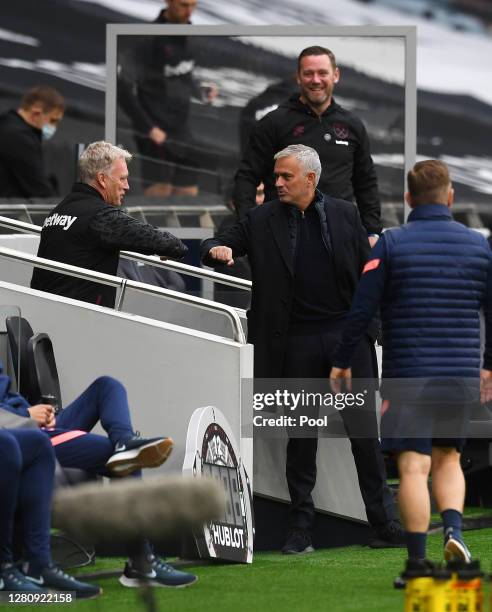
x: 85, y: 231
x: 342, y: 143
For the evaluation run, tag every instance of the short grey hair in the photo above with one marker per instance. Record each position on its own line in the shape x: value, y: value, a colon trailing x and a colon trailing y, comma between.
x: 99, y: 157
x: 307, y: 157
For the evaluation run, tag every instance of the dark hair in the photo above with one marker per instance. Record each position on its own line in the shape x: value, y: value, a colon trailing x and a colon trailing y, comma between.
x: 48, y: 97
x: 316, y: 50
x: 428, y: 182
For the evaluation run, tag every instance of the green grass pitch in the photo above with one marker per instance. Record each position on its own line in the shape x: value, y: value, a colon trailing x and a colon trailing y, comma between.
x: 335, y: 580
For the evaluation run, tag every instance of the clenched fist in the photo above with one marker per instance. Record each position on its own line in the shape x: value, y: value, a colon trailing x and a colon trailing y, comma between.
x: 223, y: 254
x: 43, y: 414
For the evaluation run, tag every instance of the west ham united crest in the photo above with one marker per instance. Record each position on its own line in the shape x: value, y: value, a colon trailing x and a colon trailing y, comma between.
x: 341, y: 131
x: 298, y: 131
x: 211, y: 451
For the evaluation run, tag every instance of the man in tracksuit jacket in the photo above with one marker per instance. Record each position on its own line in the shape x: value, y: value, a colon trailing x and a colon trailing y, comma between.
x: 430, y: 277
x: 313, y: 118
x: 157, y: 98
x: 88, y: 229
x: 22, y: 133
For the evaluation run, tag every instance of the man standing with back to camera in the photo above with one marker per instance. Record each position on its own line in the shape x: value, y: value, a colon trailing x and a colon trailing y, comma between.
x: 88, y: 228
x: 429, y: 277
x: 306, y: 252
x: 312, y: 117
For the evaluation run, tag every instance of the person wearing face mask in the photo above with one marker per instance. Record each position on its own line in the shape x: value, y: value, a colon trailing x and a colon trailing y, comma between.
x: 88, y: 228
x: 22, y: 132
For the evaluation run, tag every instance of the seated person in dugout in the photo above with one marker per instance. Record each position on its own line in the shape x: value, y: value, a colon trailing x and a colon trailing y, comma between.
x: 120, y: 453
x: 27, y: 467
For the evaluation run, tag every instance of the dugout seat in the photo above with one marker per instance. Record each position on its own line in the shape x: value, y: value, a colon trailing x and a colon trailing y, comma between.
x: 19, y: 332
x: 42, y: 365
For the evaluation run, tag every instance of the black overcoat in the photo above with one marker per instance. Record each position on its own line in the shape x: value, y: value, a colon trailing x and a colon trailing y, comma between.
x: 267, y: 237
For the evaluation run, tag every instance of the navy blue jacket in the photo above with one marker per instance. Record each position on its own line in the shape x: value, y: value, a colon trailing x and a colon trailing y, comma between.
x: 430, y: 277
x: 13, y: 402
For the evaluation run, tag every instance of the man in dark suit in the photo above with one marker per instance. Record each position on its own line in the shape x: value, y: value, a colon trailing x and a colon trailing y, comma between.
x: 306, y: 252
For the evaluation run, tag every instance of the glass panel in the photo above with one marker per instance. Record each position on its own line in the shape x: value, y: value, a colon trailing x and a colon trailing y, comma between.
x: 170, y: 81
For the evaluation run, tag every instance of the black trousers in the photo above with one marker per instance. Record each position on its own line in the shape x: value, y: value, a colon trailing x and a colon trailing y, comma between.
x: 310, y: 356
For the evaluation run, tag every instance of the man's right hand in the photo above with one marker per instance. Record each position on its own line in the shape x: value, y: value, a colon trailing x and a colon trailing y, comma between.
x: 223, y: 254
x: 157, y: 135
x: 485, y: 386
x: 43, y: 414
x: 339, y: 376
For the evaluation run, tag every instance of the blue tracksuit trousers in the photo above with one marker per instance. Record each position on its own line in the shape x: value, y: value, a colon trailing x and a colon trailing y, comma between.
x: 27, y: 466
x: 104, y: 401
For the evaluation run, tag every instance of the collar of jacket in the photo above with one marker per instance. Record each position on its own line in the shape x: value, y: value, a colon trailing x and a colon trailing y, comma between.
x: 430, y: 211
x: 85, y: 188
x: 161, y: 18
x: 294, y: 215
x: 295, y: 103
x: 35, y: 130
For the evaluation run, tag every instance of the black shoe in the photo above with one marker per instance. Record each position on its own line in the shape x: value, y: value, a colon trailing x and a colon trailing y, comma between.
x: 136, y: 453
x: 391, y: 535
x: 52, y: 577
x: 157, y: 573
x: 414, y: 568
x: 298, y: 543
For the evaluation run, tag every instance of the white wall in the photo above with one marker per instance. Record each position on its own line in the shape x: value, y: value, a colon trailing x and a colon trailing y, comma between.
x: 168, y: 371
x: 136, y: 302
x: 172, y: 372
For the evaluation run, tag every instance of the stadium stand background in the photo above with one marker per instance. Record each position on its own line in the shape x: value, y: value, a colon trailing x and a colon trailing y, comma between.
x: 63, y: 44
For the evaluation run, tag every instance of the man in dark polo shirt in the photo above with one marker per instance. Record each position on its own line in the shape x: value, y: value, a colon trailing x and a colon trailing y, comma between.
x: 306, y: 251
x: 22, y: 133
x: 88, y: 228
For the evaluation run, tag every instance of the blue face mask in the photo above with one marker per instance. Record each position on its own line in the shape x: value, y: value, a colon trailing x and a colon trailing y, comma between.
x: 48, y: 131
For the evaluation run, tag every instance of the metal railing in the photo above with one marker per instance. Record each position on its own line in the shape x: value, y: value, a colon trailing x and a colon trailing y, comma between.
x: 176, y: 266
x: 122, y: 284
x: 174, y: 214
